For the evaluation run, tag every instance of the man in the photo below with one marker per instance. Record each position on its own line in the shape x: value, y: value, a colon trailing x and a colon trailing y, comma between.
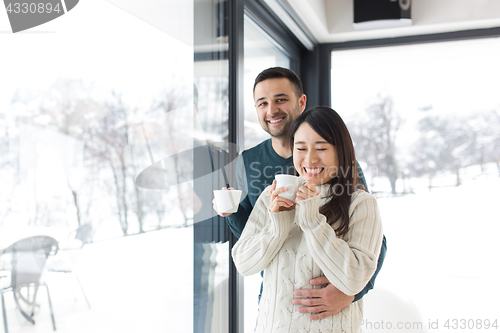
x: 279, y: 99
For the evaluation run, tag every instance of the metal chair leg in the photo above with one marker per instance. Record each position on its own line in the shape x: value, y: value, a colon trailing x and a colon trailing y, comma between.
x: 83, y: 292
x: 5, y: 328
x: 50, y: 306
x: 33, y: 305
x: 17, y: 296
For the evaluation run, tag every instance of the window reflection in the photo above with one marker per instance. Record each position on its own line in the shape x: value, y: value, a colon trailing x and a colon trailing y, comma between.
x: 65, y: 136
x: 211, y: 248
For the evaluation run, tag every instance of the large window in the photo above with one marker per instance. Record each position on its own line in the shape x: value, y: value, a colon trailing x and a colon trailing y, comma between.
x: 261, y: 52
x: 425, y: 121
x: 89, y: 104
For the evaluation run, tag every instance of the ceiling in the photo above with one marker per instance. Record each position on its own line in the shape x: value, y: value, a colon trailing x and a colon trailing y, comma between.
x: 328, y: 21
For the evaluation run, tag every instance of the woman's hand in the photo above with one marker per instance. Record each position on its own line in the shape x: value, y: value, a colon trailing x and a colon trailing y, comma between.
x: 214, y: 202
x: 306, y: 191
x: 279, y: 204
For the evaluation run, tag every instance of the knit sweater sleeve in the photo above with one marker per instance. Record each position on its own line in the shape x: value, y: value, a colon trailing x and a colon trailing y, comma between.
x: 262, y: 238
x: 348, y: 262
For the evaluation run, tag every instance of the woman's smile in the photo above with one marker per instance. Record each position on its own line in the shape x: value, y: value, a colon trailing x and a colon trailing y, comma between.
x: 314, y: 158
x: 313, y: 171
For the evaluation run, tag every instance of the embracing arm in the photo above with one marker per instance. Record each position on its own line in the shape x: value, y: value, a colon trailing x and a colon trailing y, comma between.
x: 262, y: 238
x: 369, y: 286
x: 348, y: 263
x: 237, y: 221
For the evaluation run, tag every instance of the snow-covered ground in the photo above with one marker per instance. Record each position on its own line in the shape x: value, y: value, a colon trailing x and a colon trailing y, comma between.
x: 443, y: 247
x: 442, y: 254
x: 141, y: 283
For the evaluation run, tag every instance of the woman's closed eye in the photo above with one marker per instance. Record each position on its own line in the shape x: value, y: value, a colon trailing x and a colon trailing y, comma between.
x: 318, y: 149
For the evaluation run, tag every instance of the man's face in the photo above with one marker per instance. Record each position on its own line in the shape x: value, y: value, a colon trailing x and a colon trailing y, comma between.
x: 277, y: 105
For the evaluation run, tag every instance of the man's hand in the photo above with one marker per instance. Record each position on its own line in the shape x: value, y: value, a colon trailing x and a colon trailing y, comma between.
x: 215, y: 205
x: 322, y: 302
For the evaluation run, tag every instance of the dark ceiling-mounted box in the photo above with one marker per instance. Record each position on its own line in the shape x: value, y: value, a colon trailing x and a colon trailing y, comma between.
x: 379, y: 14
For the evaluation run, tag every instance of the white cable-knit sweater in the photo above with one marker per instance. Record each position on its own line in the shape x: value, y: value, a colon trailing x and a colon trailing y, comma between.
x: 296, y: 246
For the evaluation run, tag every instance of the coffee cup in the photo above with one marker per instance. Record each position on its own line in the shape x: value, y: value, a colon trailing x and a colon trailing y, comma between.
x: 292, y: 183
x: 227, y: 201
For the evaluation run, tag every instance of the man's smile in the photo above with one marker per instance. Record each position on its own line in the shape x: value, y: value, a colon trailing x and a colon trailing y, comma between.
x: 275, y: 121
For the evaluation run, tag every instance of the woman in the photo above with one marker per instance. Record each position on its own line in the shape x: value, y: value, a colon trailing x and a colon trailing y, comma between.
x: 333, y: 228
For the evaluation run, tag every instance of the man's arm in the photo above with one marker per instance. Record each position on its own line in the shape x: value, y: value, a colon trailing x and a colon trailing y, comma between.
x: 329, y: 298
x: 383, y: 249
x: 237, y: 221
x: 380, y: 262
x: 323, y: 302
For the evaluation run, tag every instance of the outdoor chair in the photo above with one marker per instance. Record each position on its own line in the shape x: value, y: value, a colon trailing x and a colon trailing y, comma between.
x: 27, y: 261
x: 69, y: 253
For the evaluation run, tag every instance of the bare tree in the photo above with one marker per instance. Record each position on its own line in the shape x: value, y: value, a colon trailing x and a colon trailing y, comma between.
x: 180, y: 161
x: 375, y: 135
x: 70, y: 107
x: 450, y: 143
x: 76, y: 109
x: 495, y: 147
x: 8, y: 169
x: 429, y: 148
x: 490, y: 138
x: 459, y: 138
x: 107, y: 145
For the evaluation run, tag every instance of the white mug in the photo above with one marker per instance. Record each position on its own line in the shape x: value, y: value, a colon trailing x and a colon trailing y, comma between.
x: 292, y: 183
x: 227, y: 201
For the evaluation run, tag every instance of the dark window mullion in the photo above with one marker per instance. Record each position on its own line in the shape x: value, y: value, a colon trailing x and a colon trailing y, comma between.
x: 235, y: 127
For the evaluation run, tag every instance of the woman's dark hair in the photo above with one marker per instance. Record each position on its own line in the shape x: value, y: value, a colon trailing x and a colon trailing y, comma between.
x: 328, y: 124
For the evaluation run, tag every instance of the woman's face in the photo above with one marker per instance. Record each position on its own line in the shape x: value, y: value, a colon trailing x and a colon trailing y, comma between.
x: 313, y: 157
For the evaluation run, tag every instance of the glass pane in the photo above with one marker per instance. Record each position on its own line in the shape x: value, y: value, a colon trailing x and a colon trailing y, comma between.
x: 425, y: 121
x: 89, y: 103
x: 211, y: 248
x: 261, y: 52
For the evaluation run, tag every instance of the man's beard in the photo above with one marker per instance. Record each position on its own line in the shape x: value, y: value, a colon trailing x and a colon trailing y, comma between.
x: 281, y: 132
x: 287, y: 122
